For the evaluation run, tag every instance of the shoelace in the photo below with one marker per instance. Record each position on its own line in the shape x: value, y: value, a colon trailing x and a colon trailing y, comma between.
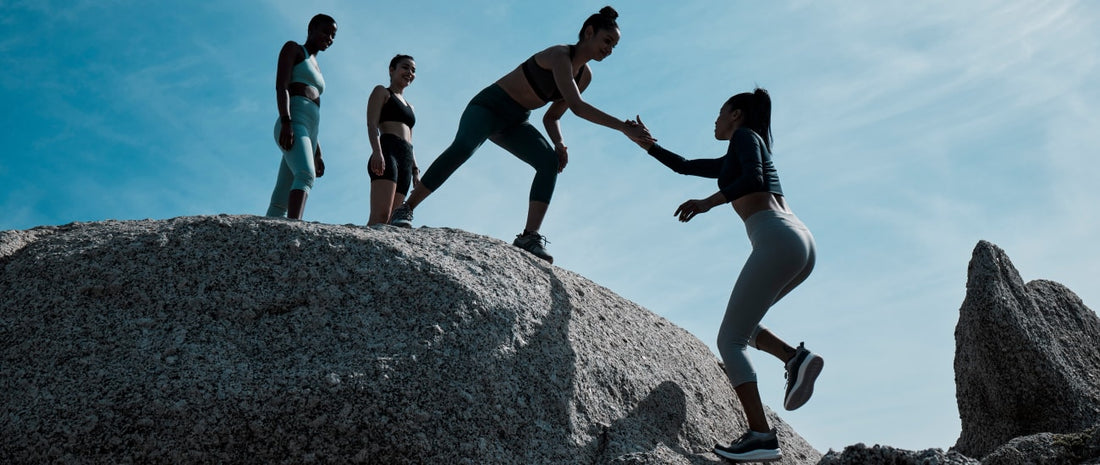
x: 539, y: 237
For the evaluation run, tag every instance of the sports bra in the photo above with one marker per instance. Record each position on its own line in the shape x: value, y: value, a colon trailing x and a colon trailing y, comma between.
x: 307, y: 72
x: 542, y: 79
x: 396, y: 110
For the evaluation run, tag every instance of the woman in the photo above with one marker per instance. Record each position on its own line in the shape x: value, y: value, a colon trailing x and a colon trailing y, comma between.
x: 390, y: 118
x: 782, y: 257
x: 556, y: 75
x: 298, y: 88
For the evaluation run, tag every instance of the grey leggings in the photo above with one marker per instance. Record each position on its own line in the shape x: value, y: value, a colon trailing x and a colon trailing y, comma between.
x: 782, y: 257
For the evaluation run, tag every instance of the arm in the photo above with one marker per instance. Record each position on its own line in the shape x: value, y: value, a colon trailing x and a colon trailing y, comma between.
x: 702, y: 167
x: 376, y: 164
x: 551, y: 120
x: 288, y: 56
x: 562, y: 68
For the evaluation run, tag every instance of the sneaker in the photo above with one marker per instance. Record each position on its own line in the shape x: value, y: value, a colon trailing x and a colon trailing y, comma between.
x: 752, y: 447
x: 535, y: 243
x: 402, y: 217
x: 802, y: 371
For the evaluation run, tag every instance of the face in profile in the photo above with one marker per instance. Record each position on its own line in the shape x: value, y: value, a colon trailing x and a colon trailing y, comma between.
x: 726, y: 122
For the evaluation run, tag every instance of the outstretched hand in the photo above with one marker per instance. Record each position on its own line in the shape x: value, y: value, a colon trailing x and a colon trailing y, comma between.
x: 688, y: 210
x: 637, y: 131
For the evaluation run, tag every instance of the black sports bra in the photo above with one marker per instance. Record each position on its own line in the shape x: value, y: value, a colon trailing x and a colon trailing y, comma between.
x: 396, y: 110
x: 542, y: 79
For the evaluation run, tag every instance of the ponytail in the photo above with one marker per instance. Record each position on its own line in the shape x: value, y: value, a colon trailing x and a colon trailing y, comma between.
x: 757, y: 108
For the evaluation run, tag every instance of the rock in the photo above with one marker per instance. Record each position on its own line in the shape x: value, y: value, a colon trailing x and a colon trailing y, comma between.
x: 1049, y: 449
x: 860, y: 454
x: 239, y: 339
x: 1027, y: 357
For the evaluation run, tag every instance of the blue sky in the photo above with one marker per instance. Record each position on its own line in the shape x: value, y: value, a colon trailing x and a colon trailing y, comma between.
x: 904, y: 133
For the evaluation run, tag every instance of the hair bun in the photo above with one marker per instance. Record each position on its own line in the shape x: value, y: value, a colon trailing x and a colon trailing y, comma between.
x: 609, y: 12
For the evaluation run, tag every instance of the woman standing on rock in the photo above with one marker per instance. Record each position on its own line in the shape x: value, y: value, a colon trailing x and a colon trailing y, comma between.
x: 556, y: 75
x: 298, y: 88
x: 390, y: 118
x: 782, y: 257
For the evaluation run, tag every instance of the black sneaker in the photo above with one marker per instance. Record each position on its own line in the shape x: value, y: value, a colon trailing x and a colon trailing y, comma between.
x: 402, y: 217
x: 752, y: 447
x: 802, y: 371
x: 535, y: 243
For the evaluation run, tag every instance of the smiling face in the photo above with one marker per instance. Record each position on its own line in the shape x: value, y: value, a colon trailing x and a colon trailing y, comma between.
x: 322, y: 36
x: 600, y: 43
x: 403, y: 73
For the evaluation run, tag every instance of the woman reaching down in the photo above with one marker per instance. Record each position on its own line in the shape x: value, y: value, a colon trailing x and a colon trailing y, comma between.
x: 556, y: 75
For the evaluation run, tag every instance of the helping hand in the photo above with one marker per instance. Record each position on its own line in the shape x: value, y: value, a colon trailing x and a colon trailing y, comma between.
x: 637, y: 131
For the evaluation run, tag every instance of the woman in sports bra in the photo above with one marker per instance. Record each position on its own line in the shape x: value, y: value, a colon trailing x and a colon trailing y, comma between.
x: 390, y: 119
x: 783, y: 254
x: 556, y: 75
x: 298, y: 88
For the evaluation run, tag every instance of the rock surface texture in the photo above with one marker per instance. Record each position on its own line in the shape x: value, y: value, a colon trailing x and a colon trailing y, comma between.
x: 1027, y: 357
x: 860, y: 454
x: 240, y: 339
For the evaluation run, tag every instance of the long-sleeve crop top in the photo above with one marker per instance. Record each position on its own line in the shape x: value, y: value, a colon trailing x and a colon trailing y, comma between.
x: 745, y: 168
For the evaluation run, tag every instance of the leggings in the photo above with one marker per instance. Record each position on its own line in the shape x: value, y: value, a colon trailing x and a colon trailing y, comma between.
x: 297, y: 168
x: 495, y: 116
x: 398, y: 154
x: 783, y: 255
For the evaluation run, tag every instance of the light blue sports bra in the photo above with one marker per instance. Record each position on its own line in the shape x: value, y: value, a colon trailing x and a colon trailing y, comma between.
x: 308, y: 73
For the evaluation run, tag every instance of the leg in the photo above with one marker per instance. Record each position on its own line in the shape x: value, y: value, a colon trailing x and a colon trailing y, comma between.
x: 382, y: 187
x: 381, y: 201
x: 527, y: 144
x: 475, y: 126
x: 749, y: 396
x: 279, y: 196
x: 768, y: 341
x: 771, y: 266
x: 296, y: 176
x: 536, y: 211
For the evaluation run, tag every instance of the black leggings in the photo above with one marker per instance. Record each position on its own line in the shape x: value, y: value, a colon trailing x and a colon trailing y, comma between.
x: 398, y: 155
x: 493, y: 115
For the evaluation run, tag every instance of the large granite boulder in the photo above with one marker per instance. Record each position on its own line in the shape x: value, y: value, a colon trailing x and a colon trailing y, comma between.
x: 239, y: 339
x: 1027, y: 357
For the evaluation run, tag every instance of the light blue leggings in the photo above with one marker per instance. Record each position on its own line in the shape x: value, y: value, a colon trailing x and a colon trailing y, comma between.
x: 297, y: 168
x: 783, y: 255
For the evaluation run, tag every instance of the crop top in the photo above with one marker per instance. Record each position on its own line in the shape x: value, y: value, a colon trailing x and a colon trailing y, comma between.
x: 396, y: 110
x: 745, y: 168
x: 307, y: 72
x: 542, y: 79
